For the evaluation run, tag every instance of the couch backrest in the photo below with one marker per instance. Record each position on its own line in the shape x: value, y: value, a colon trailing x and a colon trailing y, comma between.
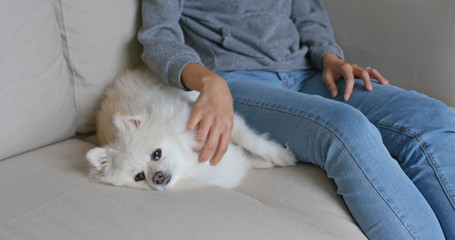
x: 412, y: 42
x: 99, y: 40
x: 36, y: 95
x: 56, y: 59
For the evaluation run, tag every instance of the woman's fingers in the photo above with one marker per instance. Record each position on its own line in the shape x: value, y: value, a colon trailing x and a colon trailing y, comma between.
x: 213, y: 134
x: 329, y: 81
x: 193, y: 122
x: 378, y: 76
x: 223, y: 143
x: 212, y: 114
x: 347, y: 70
x: 205, y: 126
x: 216, y: 139
x: 364, y: 75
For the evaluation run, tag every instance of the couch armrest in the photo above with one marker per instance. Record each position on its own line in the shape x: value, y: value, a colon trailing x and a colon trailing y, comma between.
x: 412, y: 42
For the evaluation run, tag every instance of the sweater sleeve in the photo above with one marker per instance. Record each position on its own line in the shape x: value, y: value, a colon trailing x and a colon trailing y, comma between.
x: 315, y: 31
x: 165, y: 51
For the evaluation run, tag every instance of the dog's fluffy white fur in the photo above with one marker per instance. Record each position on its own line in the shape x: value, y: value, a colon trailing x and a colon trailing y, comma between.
x: 142, y: 128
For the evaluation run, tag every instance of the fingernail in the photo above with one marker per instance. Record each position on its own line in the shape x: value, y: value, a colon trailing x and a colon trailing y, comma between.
x: 333, y: 93
x: 198, y: 148
x: 346, y: 97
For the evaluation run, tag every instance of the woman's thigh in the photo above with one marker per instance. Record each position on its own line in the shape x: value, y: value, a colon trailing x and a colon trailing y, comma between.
x: 340, y: 139
x: 418, y: 131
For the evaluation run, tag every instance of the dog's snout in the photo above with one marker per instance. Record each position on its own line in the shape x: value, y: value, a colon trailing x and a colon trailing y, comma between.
x: 160, y: 178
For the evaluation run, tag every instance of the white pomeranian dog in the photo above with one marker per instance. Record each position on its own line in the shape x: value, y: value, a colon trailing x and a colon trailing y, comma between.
x: 142, y: 128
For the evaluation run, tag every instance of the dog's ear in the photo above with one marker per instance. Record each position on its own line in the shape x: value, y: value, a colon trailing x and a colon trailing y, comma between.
x: 124, y: 121
x: 98, y: 157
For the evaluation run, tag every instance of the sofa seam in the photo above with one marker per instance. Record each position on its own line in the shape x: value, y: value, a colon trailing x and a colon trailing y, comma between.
x: 70, y: 68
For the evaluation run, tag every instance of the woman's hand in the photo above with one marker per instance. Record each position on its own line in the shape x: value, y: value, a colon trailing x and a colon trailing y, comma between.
x: 335, y: 68
x: 213, y: 111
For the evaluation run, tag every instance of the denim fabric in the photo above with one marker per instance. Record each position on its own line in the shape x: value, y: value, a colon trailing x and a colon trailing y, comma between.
x: 391, y: 152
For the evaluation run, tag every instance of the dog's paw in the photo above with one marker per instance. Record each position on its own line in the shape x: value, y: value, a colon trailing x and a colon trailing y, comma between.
x: 279, y: 155
x: 286, y: 158
x: 261, y: 163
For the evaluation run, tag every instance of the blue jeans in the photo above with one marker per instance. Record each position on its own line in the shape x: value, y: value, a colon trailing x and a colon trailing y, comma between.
x: 390, y: 152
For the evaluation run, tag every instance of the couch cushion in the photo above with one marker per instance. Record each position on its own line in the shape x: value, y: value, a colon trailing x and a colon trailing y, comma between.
x: 100, y: 40
x: 46, y: 194
x: 303, y: 190
x: 36, y: 98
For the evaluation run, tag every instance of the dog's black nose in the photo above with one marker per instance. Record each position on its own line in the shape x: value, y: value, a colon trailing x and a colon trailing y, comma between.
x: 161, y: 179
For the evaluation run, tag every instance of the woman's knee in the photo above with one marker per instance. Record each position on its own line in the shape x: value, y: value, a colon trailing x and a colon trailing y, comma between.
x: 346, y: 136
x: 349, y: 124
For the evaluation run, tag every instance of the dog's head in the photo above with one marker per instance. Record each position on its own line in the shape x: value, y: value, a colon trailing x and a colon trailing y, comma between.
x: 146, y: 154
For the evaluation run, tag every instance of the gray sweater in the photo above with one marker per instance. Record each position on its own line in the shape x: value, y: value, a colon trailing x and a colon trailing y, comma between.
x: 225, y: 35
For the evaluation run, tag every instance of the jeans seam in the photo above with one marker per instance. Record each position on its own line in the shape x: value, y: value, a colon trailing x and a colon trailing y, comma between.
x: 282, y: 80
x: 424, y: 148
x: 350, y: 153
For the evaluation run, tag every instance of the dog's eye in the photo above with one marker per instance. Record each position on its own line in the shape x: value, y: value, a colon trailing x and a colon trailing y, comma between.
x: 156, y: 155
x: 139, y: 177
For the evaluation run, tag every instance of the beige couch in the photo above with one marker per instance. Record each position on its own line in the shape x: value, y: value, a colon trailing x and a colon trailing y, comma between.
x: 58, y: 56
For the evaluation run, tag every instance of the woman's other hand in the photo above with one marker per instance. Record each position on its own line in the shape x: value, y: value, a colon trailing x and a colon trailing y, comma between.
x: 335, y: 69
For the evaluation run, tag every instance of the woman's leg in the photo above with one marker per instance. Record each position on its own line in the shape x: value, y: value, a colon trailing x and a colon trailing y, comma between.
x: 339, y: 139
x: 418, y: 131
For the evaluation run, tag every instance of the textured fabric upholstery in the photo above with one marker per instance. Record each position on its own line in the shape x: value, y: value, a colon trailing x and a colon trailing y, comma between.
x: 47, y: 195
x: 99, y: 40
x: 56, y: 59
x: 36, y: 97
